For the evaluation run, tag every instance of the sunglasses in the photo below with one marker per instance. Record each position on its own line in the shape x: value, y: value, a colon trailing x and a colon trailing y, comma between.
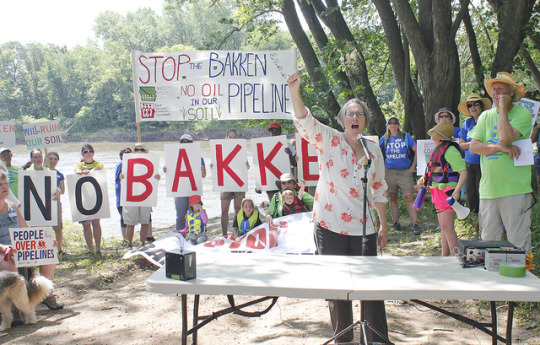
x: 88, y: 151
x: 444, y: 116
x: 476, y: 104
x: 393, y: 123
x: 139, y: 150
x: 287, y: 182
x: 185, y: 141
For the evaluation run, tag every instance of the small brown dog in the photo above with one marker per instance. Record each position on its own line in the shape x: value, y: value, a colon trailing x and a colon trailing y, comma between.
x: 24, y: 295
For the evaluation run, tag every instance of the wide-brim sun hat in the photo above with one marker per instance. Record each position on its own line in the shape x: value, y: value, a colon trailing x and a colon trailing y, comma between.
x: 507, y: 78
x: 445, y: 110
x: 286, y: 177
x: 443, y: 131
x: 473, y: 97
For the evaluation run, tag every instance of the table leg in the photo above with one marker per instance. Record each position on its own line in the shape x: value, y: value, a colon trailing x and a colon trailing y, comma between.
x: 183, y: 298
x: 195, y: 317
x: 493, y: 322
x: 509, y: 322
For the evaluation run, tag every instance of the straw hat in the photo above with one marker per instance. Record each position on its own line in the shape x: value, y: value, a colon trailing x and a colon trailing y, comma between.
x: 505, y: 77
x: 443, y: 131
x: 473, y: 97
x: 445, y: 110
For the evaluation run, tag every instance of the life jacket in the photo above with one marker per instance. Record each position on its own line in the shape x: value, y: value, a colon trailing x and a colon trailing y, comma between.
x: 294, y: 208
x: 244, y: 225
x: 195, y: 223
x: 438, y: 169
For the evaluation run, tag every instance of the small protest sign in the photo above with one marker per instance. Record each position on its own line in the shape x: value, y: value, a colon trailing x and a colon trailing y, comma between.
x: 43, y: 134
x: 35, y: 246
x: 7, y: 134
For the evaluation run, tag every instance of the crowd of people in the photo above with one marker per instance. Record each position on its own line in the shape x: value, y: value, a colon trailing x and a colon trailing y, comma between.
x: 470, y: 160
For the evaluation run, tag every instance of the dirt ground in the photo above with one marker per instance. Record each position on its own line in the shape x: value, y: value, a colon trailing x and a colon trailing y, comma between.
x: 123, y: 312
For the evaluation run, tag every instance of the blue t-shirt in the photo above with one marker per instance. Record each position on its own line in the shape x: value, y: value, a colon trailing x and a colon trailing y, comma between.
x: 468, y: 125
x: 59, y: 177
x: 396, y: 151
x: 117, y: 172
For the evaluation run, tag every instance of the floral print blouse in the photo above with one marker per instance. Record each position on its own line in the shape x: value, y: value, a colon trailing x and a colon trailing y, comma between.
x: 338, y: 203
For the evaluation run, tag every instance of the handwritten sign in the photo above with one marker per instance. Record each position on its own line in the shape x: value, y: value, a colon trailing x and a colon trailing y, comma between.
x: 88, y: 196
x: 212, y: 85
x: 35, y: 246
x: 43, y: 134
x: 7, y: 133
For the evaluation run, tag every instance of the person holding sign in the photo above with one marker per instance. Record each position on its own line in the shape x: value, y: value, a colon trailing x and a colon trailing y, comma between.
x: 505, y: 189
x: 91, y: 228
x: 13, y: 172
x: 446, y: 174
x: 134, y: 215
x: 227, y: 197
x: 11, y: 217
x: 278, y: 205
x: 339, y: 200
x: 399, y: 151
x: 52, y: 159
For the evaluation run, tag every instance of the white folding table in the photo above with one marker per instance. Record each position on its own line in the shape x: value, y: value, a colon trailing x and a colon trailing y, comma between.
x: 347, y: 278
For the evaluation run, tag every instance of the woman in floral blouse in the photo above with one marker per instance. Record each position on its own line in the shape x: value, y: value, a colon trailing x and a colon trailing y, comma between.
x: 338, y: 207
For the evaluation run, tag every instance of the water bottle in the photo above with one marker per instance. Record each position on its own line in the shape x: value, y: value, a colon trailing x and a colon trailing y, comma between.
x: 420, y: 198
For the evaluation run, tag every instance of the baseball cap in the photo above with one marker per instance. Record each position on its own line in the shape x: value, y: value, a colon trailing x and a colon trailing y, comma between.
x: 274, y: 125
x: 186, y: 137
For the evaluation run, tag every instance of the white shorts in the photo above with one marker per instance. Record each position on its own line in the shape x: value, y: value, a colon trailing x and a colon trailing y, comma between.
x: 134, y: 215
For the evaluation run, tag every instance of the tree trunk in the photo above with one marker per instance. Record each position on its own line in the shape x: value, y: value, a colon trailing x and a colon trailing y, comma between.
x: 531, y: 66
x: 354, y: 62
x: 512, y: 16
x: 399, y: 57
x: 475, y: 54
x: 329, y: 104
x: 438, y: 64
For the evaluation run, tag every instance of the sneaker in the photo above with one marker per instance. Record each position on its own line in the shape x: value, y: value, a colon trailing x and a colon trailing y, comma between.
x: 416, y: 229
x: 150, y: 239
x: 50, y: 302
x: 396, y: 227
x: 438, y: 228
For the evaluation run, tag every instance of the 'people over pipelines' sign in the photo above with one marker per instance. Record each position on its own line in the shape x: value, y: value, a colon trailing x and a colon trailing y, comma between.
x: 212, y: 85
x: 35, y: 246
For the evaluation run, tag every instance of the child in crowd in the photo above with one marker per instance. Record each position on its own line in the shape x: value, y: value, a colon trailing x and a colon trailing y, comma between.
x: 90, y: 227
x: 292, y: 203
x: 196, y: 220
x: 52, y: 159
x: 246, y: 219
x: 446, y: 174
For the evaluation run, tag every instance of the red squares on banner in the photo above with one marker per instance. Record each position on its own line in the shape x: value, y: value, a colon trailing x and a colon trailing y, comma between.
x: 147, y: 110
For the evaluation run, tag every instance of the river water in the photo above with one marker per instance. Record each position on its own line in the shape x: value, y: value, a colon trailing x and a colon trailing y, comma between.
x: 164, y: 215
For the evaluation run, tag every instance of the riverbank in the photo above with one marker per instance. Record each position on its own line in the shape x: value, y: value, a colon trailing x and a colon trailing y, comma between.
x: 106, y: 302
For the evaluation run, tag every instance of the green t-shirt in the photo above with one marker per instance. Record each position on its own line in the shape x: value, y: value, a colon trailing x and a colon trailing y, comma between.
x: 13, y: 178
x: 93, y: 165
x: 500, y: 178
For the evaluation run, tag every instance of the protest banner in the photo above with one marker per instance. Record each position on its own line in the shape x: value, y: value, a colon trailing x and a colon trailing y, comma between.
x: 7, y: 134
x: 308, y: 161
x: 36, y: 191
x: 212, y: 85
x: 229, y: 169
x: 532, y: 106
x: 43, y: 134
x: 35, y: 246
x: 183, y: 162
x: 270, y: 161
x: 139, y: 185
x: 88, y: 196
x: 424, y: 148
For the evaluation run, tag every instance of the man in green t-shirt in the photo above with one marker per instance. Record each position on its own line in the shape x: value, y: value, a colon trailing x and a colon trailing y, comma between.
x: 13, y: 171
x: 505, y: 189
